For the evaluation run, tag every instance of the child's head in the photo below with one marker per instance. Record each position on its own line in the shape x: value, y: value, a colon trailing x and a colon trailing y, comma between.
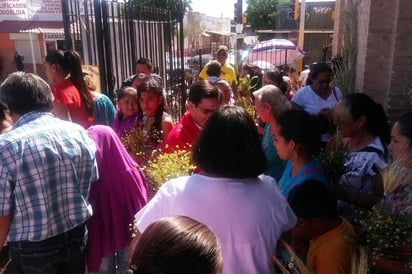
x: 178, y: 244
x: 225, y: 90
x: 150, y: 98
x: 314, y: 204
x: 127, y: 101
x: 214, y: 69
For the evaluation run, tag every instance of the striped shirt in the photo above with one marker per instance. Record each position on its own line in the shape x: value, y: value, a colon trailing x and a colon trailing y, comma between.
x: 46, y: 167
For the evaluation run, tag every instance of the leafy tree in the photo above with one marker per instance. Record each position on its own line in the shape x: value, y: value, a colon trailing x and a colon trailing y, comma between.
x: 261, y: 14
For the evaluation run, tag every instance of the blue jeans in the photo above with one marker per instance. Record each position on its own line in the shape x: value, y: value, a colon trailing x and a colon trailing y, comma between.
x: 116, y: 263
x: 62, y: 254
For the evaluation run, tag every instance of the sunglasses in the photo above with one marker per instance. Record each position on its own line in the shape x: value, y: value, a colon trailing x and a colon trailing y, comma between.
x: 222, y: 54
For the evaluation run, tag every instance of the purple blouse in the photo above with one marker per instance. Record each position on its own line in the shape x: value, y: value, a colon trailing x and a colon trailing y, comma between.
x: 118, y: 194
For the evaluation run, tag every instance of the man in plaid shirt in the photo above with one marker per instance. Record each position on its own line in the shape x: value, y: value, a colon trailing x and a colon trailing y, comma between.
x: 46, y: 168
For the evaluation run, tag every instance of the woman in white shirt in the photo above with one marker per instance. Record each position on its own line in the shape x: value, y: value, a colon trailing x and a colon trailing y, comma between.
x: 245, y: 209
x: 318, y: 96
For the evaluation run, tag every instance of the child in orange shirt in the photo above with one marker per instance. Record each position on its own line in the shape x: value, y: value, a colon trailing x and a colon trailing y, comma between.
x: 333, y: 238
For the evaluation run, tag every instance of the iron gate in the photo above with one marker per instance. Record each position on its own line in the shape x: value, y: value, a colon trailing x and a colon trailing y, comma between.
x: 114, y: 34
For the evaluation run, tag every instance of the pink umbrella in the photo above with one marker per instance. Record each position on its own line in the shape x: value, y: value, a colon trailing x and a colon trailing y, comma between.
x: 275, y: 51
x: 263, y: 64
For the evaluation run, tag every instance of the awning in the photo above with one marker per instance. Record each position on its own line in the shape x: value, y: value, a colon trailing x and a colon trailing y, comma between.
x: 10, y: 26
x: 222, y: 33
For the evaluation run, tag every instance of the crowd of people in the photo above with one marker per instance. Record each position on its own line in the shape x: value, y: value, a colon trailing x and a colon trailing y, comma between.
x: 74, y: 199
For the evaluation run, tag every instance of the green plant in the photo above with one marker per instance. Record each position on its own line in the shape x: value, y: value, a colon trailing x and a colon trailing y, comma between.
x: 332, y: 159
x: 162, y: 167
x: 133, y: 141
x: 345, y: 63
x: 244, y: 94
x: 387, y: 231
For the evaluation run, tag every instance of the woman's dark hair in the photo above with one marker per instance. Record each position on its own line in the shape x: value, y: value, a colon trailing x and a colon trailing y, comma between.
x: 155, y: 132
x: 312, y: 199
x: 71, y: 62
x: 405, y: 126
x: 276, y: 76
x: 254, y: 70
x: 301, y: 127
x: 360, y: 104
x: 177, y: 245
x: 316, y: 69
x: 24, y: 92
x: 229, y: 145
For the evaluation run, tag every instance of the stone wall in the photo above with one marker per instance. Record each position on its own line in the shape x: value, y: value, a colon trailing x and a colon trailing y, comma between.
x: 401, y: 69
x: 384, y: 62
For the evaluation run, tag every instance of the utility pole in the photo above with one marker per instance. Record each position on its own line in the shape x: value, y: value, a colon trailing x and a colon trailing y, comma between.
x: 238, y: 47
x: 30, y: 17
x: 301, y: 32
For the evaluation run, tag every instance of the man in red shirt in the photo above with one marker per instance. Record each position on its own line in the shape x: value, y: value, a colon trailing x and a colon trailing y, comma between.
x: 204, y: 98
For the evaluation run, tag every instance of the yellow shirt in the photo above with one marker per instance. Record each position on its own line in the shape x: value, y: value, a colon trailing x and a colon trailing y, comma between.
x: 228, y: 73
x: 331, y: 253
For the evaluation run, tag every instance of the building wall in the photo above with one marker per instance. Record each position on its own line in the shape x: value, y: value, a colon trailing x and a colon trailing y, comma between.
x: 384, y: 61
x: 363, y: 13
x: 380, y: 42
x: 7, y: 50
x: 401, y: 73
x: 319, y: 22
x: 12, y: 42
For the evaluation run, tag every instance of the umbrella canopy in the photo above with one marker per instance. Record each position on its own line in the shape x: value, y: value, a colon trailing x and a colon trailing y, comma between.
x: 276, y: 52
x: 263, y: 64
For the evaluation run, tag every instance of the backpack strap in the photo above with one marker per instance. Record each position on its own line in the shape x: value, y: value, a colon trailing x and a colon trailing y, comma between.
x: 334, y: 93
x: 310, y: 170
x: 383, y: 154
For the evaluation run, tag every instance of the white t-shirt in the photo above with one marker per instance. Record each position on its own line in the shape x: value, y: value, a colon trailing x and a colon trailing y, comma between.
x: 303, y: 76
x: 313, y: 103
x: 247, y: 215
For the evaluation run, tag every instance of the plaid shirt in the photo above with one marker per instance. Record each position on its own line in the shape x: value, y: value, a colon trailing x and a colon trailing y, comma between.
x: 46, y: 167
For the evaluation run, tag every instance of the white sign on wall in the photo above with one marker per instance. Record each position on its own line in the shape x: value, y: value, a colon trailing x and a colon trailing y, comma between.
x: 42, y: 10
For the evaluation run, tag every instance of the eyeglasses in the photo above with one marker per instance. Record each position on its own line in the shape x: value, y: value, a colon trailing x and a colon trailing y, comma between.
x: 222, y: 54
x: 205, y: 111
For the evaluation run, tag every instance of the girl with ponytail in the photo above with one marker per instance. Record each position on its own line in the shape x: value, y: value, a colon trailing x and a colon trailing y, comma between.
x: 297, y: 139
x: 72, y: 99
x: 363, y: 125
